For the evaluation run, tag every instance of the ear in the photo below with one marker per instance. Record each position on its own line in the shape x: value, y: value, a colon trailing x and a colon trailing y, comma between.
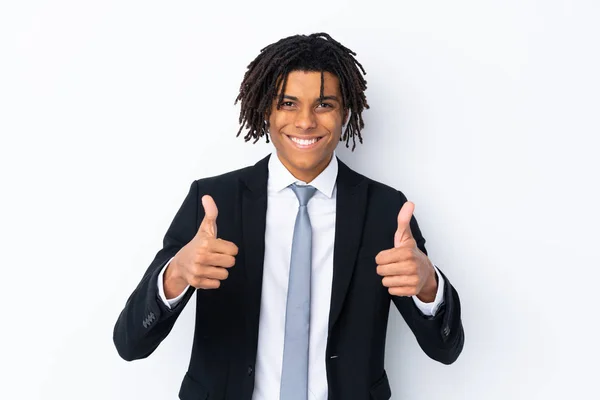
x: 345, y: 116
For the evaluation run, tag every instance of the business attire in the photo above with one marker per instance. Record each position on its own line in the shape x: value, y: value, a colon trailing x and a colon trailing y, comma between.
x: 239, y: 340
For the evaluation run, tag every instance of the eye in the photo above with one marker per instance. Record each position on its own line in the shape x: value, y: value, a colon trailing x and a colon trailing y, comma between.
x: 286, y: 104
x: 324, y: 107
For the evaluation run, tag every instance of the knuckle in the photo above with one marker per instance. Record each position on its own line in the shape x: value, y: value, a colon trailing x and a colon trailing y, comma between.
x: 196, y: 282
x: 205, y: 283
x: 415, y: 255
x: 199, y: 272
x: 202, y: 258
x: 411, y: 267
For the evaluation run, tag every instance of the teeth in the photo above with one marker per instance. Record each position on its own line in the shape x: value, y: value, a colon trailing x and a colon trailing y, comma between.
x: 303, y: 142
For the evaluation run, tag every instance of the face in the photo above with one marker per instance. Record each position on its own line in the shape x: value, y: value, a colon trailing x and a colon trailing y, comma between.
x: 306, y: 131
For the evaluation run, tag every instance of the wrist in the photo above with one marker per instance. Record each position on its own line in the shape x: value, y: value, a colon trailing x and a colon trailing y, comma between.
x: 173, y: 281
x: 429, y: 290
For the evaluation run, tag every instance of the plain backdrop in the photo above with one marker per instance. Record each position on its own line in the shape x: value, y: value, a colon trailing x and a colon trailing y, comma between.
x: 484, y: 113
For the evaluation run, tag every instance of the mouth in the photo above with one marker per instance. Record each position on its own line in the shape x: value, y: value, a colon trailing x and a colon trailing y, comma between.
x: 304, y: 143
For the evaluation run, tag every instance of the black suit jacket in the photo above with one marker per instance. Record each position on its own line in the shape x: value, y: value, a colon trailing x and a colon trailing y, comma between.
x: 227, y: 319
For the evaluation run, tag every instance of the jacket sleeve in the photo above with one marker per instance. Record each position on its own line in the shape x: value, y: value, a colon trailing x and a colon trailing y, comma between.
x: 441, y: 337
x: 145, y: 320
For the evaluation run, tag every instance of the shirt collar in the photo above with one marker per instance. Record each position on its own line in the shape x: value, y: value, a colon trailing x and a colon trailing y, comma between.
x: 280, y: 178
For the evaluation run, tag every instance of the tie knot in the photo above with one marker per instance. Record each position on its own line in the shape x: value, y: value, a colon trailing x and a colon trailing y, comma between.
x: 303, y: 193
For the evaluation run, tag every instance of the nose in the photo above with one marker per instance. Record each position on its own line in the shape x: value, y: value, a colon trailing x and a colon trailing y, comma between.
x: 305, y: 119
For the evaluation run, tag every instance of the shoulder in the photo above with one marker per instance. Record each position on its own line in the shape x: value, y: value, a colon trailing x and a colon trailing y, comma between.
x: 382, y: 190
x: 228, y: 184
x: 376, y: 189
x: 225, y: 178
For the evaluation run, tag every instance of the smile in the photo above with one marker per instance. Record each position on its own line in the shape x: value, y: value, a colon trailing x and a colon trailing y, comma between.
x: 304, y: 143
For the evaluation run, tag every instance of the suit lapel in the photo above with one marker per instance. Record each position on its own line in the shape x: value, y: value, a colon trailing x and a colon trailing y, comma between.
x: 351, y: 205
x: 253, y: 216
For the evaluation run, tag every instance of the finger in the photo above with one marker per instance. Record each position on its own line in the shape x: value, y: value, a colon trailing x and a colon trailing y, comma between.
x: 401, y: 268
x: 401, y: 281
x: 205, y: 283
x: 216, y: 260
x: 403, y: 233
x: 209, y: 223
x: 403, y: 291
x: 222, y: 247
x: 215, y: 273
x: 395, y: 255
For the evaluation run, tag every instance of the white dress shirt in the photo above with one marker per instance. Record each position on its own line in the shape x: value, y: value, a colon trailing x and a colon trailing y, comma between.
x: 282, y: 207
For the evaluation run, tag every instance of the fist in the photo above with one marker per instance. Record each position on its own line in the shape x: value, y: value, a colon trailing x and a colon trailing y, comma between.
x: 204, y: 262
x: 405, y: 269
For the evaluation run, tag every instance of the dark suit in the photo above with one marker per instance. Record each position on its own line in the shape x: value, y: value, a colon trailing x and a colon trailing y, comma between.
x: 227, y: 319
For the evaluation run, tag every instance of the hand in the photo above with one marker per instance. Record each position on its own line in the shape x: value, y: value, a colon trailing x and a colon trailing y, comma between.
x: 204, y: 261
x: 406, y: 270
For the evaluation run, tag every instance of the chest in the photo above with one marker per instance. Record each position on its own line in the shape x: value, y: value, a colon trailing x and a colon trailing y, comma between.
x: 279, y: 233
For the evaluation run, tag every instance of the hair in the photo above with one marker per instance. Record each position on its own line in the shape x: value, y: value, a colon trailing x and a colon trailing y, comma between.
x: 317, y: 52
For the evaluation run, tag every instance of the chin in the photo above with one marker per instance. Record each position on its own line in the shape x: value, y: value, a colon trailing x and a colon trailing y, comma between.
x: 309, y: 166
x: 304, y: 163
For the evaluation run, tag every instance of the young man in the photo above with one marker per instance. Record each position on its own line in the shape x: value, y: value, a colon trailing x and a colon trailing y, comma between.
x: 294, y: 260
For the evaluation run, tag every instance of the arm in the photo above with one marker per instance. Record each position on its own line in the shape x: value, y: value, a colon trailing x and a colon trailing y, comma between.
x: 145, y: 320
x: 406, y: 272
x: 441, y: 336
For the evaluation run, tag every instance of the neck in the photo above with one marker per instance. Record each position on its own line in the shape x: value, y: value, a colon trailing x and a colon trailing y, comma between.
x: 306, y: 175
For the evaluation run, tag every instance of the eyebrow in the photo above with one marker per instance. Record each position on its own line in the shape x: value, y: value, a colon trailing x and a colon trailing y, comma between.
x: 324, y: 98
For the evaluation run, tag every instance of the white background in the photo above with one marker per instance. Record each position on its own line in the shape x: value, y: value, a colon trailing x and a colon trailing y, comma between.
x: 484, y: 113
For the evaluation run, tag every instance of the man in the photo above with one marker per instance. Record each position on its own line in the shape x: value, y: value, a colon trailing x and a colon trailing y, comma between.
x: 294, y: 260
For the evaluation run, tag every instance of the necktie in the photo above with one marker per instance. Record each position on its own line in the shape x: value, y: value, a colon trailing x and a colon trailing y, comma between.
x: 294, y: 374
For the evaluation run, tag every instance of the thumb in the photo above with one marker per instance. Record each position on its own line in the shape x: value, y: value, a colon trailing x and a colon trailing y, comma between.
x: 209, y: 223
x: 403, y: 233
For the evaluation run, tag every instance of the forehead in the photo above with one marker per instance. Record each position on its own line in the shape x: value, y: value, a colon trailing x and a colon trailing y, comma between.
x: 308, y: 84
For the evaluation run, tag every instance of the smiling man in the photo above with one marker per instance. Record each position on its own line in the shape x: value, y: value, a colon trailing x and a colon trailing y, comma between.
x: 295, y: 279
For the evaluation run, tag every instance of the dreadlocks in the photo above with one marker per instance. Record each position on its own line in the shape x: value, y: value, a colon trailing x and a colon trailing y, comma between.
x: 317, y: 52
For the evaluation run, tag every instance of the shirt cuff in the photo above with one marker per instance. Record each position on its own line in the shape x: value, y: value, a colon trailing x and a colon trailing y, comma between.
x: 430, y: 309
x: 170, y: 303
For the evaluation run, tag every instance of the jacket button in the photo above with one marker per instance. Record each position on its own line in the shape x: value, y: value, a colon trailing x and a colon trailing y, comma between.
x: 250, y: 370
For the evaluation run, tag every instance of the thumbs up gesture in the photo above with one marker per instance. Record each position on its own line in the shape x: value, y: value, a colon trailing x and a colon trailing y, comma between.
x: 405, y: 269
x: 202, y: 263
